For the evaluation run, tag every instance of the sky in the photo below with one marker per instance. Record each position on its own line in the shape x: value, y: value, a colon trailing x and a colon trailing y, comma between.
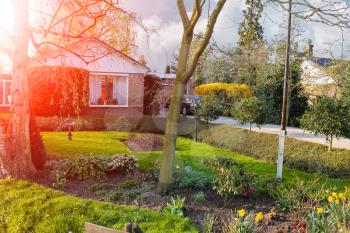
x: 160, y: 46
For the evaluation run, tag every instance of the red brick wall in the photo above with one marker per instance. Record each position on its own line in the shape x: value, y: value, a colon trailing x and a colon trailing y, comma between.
x: 136, y: 90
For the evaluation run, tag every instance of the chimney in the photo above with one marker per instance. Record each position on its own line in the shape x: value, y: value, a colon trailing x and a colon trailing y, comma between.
x: 309, y: 49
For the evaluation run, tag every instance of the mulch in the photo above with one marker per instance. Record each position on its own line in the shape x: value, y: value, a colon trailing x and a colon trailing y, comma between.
x: 213, y: 204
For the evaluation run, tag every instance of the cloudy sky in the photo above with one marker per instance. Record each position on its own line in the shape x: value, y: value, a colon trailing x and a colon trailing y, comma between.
x: 162, y: 17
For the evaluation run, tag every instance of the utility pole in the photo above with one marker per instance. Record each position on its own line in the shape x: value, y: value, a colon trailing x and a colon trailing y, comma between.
x: 283, y: 131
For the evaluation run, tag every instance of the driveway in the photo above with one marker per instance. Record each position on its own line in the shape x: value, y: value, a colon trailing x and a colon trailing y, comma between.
x: 297, y: 133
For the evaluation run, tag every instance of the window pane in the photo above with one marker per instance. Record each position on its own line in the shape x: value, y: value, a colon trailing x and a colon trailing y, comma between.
x: 8, y: 85
x: 1, y: 92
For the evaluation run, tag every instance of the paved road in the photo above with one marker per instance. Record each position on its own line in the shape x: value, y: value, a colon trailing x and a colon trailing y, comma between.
x: 292, y: 132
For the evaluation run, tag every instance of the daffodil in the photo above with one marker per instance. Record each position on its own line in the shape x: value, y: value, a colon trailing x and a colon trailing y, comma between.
x: 335, y: 195
x: 242, y: 213
x: 320, y: 210
x: 272, y: 213
x: 259, y: 217
x: 330, y: 199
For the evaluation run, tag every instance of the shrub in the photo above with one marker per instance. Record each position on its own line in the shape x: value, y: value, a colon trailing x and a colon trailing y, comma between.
x: 300, y: 197
x: 58, y: 90
x: 189, y: 178
x: 231, y: 180
x: 249, y: 110
x: 93, y: 167
x: 122, y: 164
x: 176, y: 206
x: 81, y: 169
x: 231, y: 89
x: 210, y: 108
x: 304, y: 156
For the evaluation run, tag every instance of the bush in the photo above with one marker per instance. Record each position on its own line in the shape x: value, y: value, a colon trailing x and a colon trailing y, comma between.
x: 81, y: 169
x: 210, y: 108
x: 231, y: 180
x: 58, y: 90
x: 92, y: 167
x: 122, y: 164
x: 304, y: 156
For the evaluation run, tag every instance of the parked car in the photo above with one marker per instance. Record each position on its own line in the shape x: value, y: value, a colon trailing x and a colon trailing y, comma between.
x: 187, y: 104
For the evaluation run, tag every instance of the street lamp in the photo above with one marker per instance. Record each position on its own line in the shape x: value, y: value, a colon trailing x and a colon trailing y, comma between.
x: 196, y: 102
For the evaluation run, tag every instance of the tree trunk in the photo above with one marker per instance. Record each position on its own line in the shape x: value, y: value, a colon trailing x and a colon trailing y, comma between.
x: 18, y: 162
x: 167, y: 164
x: 330, y: 143
x: 250, y: 126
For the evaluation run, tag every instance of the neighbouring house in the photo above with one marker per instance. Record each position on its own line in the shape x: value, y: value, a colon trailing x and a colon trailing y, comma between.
x: 116, y: 82
x: 314, y: 77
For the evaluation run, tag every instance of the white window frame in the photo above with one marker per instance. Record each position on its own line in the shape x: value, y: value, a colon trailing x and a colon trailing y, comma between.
x: 116, y: 75
x: 4, y: 97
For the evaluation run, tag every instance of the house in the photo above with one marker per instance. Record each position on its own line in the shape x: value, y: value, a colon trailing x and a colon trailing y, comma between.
x: 314, y: 77
x: 158, y: 89
x: 116, y: 82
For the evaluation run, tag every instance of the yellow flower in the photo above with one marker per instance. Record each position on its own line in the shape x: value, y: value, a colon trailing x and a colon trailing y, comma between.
x: 242, y: 213
x: 335, y: 195
x: 259, y: 217
x: 337, y: 201
x: 342, y: 196
x: 272, y: 213
x: 330, y: 199
x: 320, y: 210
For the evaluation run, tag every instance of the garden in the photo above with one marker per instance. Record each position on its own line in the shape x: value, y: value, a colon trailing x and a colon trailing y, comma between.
x: 110, y: 177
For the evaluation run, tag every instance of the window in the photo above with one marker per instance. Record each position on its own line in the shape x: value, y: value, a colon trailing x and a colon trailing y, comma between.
x: 107, y: 90
x: 5, y: 92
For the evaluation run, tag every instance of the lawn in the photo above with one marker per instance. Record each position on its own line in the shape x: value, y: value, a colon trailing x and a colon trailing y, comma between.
x: 188, y: 153
x: 27, y: 207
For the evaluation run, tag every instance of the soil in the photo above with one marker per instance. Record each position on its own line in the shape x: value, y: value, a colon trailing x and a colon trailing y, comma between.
x: 145, y: 143
x: 195, y: 211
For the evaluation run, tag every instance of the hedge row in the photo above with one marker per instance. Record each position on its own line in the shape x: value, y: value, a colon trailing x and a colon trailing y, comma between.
x: 304, y: 156
x: 143, y: 123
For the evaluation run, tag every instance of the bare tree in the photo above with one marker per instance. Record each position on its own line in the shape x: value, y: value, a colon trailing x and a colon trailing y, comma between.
x: 186, y: 66
x: 65, y: 27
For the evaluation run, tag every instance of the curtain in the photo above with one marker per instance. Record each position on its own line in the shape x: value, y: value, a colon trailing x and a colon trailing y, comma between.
x: 120, y: 92
x: 95, y: 89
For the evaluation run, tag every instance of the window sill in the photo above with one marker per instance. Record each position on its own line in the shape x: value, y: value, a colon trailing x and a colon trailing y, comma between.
x: 108, y: 106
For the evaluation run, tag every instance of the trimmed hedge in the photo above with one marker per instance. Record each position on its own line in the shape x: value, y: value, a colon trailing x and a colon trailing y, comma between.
x: 145, y: 123
x: 304, y: 156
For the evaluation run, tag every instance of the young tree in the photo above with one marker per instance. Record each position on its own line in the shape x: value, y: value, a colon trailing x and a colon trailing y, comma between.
x: 63, y: 27
x: 185, y: 68
x: 210, y: 108
x: 249, y: 110
x: 326, y: 116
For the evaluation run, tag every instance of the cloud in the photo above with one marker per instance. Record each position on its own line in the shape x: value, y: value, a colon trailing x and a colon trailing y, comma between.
x: 162, y: 16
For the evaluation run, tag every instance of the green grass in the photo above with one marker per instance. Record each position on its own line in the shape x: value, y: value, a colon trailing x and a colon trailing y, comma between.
x: 188, y: 153
x: 27, y: 207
